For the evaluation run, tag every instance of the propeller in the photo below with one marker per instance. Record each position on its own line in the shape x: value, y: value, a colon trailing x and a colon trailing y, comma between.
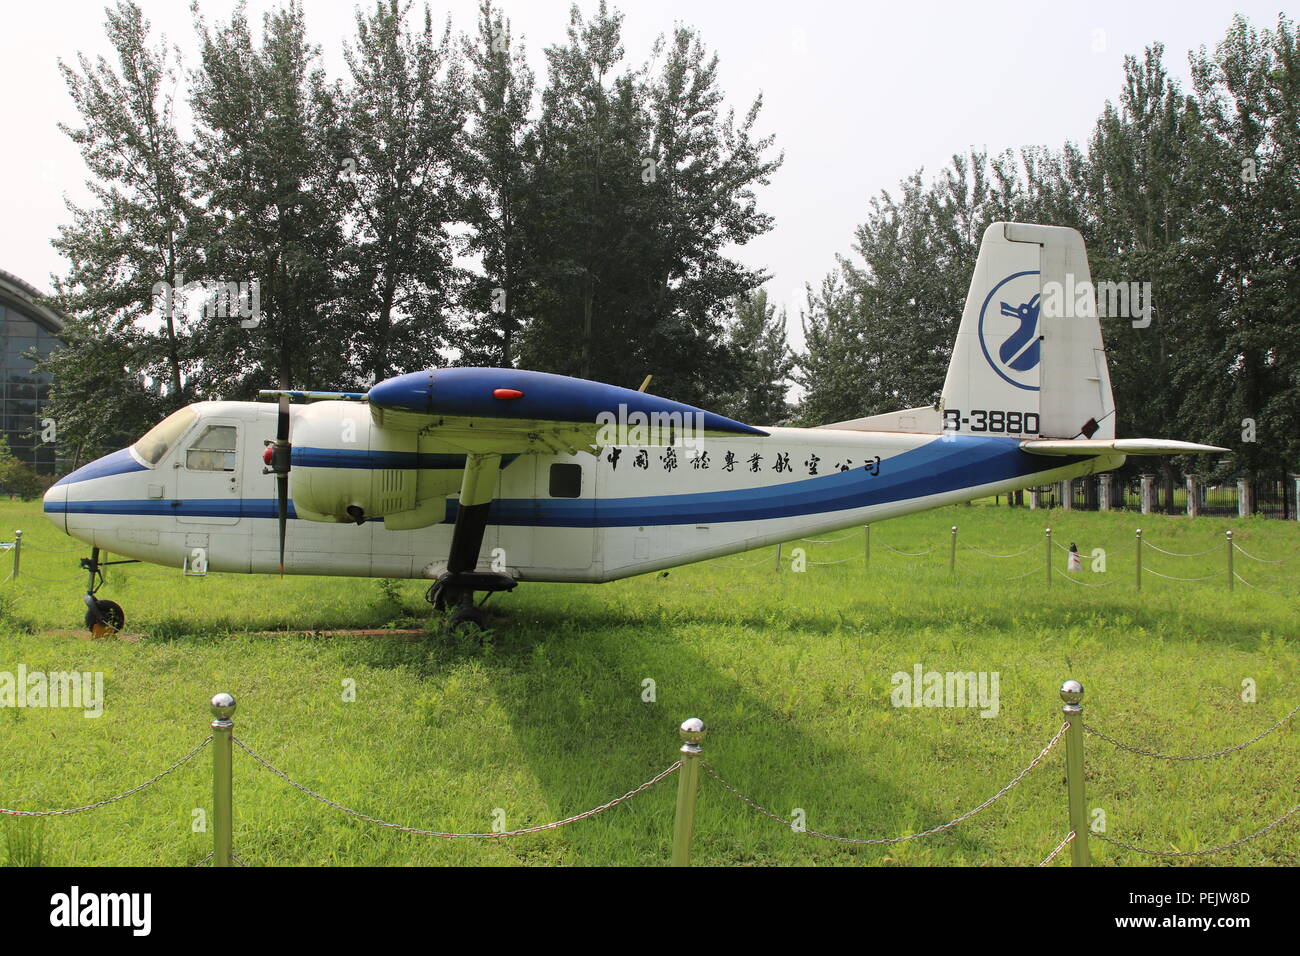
x: 276, y: 456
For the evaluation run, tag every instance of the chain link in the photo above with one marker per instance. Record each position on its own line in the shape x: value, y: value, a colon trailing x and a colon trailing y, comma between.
x: 887, y: 840
x: 1218, y: 753
x: 1216, y: 849
x: 461, y: 836
x: 121, y: 796
x: 1059, y: 847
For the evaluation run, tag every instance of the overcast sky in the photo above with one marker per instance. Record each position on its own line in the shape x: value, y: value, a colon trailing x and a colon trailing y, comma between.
x: 857, y: 94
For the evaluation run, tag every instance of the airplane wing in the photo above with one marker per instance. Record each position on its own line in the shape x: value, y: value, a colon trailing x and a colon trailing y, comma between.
x: 1115, y: 446
x: 478, y: 415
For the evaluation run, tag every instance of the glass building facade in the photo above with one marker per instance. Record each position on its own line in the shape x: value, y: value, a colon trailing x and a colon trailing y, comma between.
x: 26, y: 327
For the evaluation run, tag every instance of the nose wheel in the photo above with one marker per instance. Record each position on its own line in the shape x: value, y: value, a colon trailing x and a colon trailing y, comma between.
x: 455, y: 592
x: 102, y: 617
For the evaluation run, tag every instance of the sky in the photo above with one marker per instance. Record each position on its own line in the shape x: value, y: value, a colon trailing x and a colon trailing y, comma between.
x: 857, y: 94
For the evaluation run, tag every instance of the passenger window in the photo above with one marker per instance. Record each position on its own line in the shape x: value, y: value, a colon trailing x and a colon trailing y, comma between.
x: 214, y: 450
x: 566, y: 481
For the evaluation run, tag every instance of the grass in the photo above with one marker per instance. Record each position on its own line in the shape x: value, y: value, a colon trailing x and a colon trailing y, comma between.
x: 792, y: 671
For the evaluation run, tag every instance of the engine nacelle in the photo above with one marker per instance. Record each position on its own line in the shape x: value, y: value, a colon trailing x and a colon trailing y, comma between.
x: 344, y: 468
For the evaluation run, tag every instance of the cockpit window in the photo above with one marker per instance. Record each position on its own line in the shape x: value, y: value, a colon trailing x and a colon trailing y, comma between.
x: 160, y: 439
x: 213, y: 450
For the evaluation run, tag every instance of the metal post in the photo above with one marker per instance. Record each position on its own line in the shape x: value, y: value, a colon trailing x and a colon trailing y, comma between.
x: 1048, y: 540
x: 952, y: 552
x: 1139, y: 559
x: 18, y: 552
x: 867, y: 545
x: 778, y: 556
x: 223, y: 728
x: 1072, y: 694
x: 1231, y: 573
x: 1193, y: 496
x: 692, y: 733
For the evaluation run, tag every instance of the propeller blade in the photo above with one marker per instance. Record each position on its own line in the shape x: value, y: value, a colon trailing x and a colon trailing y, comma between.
x: 278, y: 456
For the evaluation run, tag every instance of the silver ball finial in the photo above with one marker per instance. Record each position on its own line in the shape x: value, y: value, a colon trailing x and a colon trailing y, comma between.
x: 693, y: 731
x: 223, y: 706
x: 1072, y: 692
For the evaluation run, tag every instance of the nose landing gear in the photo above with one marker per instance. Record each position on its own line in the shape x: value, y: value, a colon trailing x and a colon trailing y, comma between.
x: 102, y: 617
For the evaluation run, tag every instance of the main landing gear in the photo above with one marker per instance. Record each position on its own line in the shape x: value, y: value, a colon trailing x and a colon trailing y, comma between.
x: 455, y: 590
x: 102, y: 617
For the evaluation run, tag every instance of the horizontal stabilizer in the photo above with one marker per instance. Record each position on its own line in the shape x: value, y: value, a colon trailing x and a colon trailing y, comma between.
x: 1111, y: 446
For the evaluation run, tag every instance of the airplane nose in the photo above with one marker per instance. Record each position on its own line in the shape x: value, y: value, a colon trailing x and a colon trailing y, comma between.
x: 55, y: 505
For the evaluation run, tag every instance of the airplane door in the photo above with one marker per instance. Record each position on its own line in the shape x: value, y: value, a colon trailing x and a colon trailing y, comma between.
x: 564, y: 533
x: 207, y: 474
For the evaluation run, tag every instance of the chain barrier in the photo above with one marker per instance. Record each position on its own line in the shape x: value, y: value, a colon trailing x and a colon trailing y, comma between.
x: 1059, y: 847
x: 1072, y: 579
x: 708, y: 768
x: 1171, y: 577
x: 36, y: 577
x: 909, y: 554
x: 202, y: 862
x: 1256, y: 587
x: 843, y: 537
x: 1017, y: 577
x: 1263, y: 560
x: 36, y: 547
x: 1217, y: 753
x: 852, y: 557
x: 1216, y: 849
x: 744, y: 564
x: 1179, y: 554
x: 991, y: 554
x: 460, y: 836
x: 121, y: 796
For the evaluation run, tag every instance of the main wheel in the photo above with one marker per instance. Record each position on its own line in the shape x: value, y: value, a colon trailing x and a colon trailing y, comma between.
x: 111, y: 618
x: 468, y: 616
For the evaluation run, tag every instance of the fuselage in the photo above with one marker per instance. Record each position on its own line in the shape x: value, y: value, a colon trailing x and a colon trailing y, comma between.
x: 579, y: 517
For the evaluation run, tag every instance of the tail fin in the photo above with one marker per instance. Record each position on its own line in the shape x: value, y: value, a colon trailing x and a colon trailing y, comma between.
x: 1029, y: 359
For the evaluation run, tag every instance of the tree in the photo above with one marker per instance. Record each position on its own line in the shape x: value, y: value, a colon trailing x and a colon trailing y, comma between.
x: 139, y: 233
x: 403, y: 114
x: 271, y: 144
x: 498, y: 172
x: 756, y: 338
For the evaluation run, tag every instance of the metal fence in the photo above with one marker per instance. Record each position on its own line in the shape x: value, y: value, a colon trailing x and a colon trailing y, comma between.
x: 688, y: 763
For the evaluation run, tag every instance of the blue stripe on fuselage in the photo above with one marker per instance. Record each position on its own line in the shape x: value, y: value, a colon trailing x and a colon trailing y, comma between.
x: 938, y: 467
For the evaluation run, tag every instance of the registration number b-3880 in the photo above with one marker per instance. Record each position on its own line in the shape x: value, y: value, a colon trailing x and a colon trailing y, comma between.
x: 990, y: 421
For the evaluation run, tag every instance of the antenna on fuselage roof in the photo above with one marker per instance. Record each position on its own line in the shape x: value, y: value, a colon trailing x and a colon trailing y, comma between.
x: 645, y: 384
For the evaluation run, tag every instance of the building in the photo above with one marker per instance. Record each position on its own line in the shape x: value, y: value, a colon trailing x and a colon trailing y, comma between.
x: 26, y: 326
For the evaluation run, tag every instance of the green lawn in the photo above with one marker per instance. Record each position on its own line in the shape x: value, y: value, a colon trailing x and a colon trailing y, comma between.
x: 792, y: 672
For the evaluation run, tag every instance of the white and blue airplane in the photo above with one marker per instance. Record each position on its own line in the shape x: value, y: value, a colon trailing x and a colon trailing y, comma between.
x: 479, y: 478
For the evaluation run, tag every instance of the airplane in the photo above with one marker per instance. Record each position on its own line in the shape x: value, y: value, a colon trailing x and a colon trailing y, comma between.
x: 477, y: 479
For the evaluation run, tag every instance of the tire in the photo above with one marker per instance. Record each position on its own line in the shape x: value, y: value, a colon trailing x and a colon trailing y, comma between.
x: 110, y: 613
x: 469, y: 617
